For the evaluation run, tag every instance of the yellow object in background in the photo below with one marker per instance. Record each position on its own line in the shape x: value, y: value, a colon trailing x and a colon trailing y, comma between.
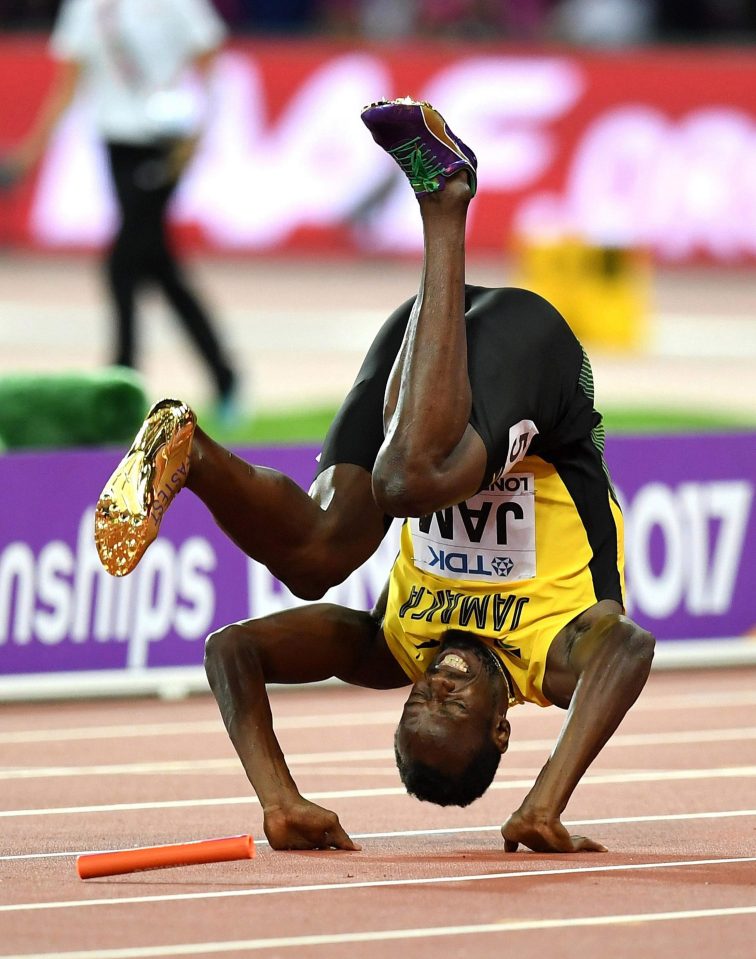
x: 603, y: 292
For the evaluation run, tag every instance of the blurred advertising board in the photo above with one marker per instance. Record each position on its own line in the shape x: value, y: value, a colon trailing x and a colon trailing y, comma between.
x: 651, y: 149
x: 68, y: 628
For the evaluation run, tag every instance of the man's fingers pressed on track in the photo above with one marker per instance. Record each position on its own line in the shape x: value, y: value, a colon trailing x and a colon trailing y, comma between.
x: 584, y: 844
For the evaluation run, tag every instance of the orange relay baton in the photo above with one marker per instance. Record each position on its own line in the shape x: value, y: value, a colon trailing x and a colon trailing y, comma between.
x: 98, y: 864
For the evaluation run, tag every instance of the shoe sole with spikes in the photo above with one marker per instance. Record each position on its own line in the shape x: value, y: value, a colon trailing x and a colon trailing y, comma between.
x: 146, y: 481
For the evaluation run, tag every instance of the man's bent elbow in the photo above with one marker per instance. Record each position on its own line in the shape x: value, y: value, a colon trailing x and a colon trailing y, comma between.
x: 639, y: 645
x: 402, y: 491
x: 223, y: 647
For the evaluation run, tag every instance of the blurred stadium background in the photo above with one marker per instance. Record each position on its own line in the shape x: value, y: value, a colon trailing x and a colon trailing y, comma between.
x: 617, y: 148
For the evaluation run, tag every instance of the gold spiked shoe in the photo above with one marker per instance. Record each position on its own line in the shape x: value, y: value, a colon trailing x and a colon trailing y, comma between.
x: 132, y: 504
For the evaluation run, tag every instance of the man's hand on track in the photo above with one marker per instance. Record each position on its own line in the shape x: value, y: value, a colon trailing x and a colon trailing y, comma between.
x: 543, y: 834
x: 303, y: 825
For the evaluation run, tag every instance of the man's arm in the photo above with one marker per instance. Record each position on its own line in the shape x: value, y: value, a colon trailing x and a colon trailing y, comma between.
x: 307, y: 644
x: 610, y: 663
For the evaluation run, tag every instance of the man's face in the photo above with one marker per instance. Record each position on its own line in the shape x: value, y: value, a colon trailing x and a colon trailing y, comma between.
x: 459, y: 701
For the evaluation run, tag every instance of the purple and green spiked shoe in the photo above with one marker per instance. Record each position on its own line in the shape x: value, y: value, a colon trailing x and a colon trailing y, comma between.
x: 417, y: 137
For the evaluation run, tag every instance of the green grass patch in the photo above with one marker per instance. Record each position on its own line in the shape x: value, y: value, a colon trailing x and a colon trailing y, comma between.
x: 310, y: 425
x: 634, y: 420
x: 281, y: 428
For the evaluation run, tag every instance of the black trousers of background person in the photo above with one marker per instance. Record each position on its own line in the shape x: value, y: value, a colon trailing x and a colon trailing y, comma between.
x: 141, y: 254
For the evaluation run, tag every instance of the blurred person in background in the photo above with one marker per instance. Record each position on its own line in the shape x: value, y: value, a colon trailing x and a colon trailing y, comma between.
x: 27, y: 14
x: 717, y: 20
x: 614, y: 23
x: 451, y: 19
x: 372, y: 19
x: 483, y: 19
x: 134, y: 58
x: 276, y: 17
x: 604, y: 23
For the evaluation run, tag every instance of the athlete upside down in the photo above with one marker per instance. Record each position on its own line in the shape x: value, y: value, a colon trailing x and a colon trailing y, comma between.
x: 472, y: 419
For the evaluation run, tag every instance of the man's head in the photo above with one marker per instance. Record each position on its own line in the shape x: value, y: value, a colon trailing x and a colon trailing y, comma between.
x: 454, y: 729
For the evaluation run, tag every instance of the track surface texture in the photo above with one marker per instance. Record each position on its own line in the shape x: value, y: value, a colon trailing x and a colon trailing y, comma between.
x: 673, y: 796
x: 300, y: 328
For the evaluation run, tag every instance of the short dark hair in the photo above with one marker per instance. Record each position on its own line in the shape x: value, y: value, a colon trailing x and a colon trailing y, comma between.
x: 431, y: 785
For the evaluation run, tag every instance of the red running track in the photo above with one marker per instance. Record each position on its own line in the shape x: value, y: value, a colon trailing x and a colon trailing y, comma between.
x: 673, y: 796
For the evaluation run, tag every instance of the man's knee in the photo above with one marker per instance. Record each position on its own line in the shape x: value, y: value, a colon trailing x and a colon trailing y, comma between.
x: 318, y: 564
x: 310, y: 578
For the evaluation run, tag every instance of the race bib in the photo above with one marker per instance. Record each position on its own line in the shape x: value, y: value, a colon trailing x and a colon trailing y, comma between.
x: 488, y: 538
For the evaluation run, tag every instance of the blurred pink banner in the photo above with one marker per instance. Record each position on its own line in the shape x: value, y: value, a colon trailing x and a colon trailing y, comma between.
x: 653, y: 149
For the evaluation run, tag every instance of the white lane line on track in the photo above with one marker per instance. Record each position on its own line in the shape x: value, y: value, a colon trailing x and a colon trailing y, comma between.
x: 195, y: 727
x: 599, y: 779
x: 448, y: 830
x: 389, y: 935
x: 327, y: 721
x: 369, y: 884
x: 164, y: 767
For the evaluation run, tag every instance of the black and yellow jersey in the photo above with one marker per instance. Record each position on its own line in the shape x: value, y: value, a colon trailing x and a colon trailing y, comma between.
x: 542, y: 540
x: 512, y: 566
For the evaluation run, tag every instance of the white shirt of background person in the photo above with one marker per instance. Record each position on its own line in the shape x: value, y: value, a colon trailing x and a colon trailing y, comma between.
x: 136, y: 57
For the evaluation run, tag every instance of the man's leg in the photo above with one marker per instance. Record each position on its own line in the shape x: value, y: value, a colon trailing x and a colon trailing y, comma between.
x: 309, y: 541
x: 431, y: 456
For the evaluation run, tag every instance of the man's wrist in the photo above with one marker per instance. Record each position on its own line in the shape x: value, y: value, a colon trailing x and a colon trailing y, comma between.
x: 280, y: 803
x: 537, y: 810
x: 277, y: 791
x: 545, y: 801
